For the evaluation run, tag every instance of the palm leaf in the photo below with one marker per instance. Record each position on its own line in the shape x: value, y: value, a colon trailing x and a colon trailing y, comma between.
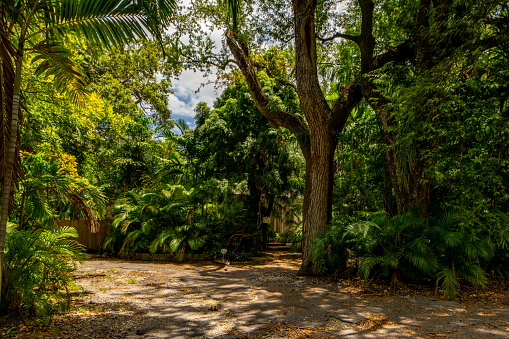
x: 111, y: 22
x: 450, y: 283
x: 54, y: 60
x: 421, y: 256
x: 196, y: 243
x: 367, y: 264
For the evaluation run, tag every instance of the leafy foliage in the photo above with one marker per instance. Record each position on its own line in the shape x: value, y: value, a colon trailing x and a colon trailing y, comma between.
x: 406, y: 248
x: 52, y: 190
x: 39, y: 264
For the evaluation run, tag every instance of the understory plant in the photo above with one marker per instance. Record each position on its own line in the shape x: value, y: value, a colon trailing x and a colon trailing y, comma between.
x: 461, y: 253
x: 329, y: 253
x: 155, y: 219
x: 180, y: 239
x: 395, y: 246
x: 408, y: 248
x: 293, y: 222
x: 38, y: 268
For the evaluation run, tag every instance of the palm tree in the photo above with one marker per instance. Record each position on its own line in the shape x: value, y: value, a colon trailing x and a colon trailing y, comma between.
x: 37, y: 26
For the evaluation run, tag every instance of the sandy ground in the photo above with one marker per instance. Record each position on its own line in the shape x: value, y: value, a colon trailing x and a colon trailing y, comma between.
x: 117, y: 299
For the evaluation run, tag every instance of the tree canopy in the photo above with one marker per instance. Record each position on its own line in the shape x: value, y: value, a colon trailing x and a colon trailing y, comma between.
x: 389, y: 119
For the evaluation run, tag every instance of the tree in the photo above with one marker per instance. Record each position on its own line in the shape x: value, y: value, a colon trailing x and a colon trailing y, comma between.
x: 425, y: 35
x: 38, y: 26
x: 316, y: 127
x: 239, y: 145
x: 444, y: 39
x: 131, y: 78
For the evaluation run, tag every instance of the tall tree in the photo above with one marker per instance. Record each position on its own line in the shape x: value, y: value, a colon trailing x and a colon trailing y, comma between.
x: 239, y: 145
x: 37, y: 26
x: 316, y: 129
x: 423, y: 34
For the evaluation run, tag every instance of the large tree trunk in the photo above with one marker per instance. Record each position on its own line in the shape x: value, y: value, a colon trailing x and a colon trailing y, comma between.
x: 315, y: 133
x: 317, y: 201
x: 319, y: 118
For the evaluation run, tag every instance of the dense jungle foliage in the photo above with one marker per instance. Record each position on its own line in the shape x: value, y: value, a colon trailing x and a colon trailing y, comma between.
x: 419, y: 189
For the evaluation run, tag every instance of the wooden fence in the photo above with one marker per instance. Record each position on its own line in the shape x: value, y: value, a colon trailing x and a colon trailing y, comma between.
x: 92, y: 241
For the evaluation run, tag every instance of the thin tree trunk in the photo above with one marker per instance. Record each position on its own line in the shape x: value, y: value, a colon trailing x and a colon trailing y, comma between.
x: 413, y: 190
x: 9, y: 163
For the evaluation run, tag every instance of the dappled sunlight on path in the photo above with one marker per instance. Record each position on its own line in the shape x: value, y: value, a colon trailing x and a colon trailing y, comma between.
x: 119, y: 299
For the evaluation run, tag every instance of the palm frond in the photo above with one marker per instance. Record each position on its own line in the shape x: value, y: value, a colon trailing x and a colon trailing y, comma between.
x: 450, y: 283
x: 367, y: 264
x: 111, y: 22
x: 421, y: 255
x: 502, y: 237
x: 196, y: 243
x: 55, y: 61
x: 472, y: 273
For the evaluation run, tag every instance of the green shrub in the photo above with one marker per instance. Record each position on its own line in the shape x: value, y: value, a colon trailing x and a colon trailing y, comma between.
x: 460, y: 252
x: 395, y: 245
x: 329, y: 253
x: 180, y: 239
x: 445, y: 249
x: 38, y: 268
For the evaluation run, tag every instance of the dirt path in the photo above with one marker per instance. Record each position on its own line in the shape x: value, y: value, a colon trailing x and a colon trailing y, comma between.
x: 146, y: 300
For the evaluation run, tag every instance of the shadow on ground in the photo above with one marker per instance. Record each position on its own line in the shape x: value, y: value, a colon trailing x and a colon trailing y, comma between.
x: 147, y: 300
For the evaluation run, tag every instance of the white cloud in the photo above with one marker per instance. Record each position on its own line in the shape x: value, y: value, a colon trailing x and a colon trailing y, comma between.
x: 188, y: 88
x: 186, y: 97
x: 193, y: 87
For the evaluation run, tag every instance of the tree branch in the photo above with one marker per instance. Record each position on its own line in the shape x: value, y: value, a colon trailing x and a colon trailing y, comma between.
x: 349, y: 97
x: 221, y: 65
x: 354, y: 38
x: 399, y: 53
x: 274, y: 114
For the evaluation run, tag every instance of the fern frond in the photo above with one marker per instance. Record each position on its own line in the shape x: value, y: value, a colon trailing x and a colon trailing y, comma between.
x: 450, y: 283
x: 367, y: 264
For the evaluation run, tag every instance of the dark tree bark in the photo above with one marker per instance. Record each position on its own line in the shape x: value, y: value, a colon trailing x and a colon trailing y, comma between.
x: 315, y: 133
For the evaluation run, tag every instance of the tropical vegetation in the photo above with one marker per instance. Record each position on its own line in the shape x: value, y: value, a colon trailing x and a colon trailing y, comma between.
x: 388, y: 119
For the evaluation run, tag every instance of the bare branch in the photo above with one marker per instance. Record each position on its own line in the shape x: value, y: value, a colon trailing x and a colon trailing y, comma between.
x: 354, y: 38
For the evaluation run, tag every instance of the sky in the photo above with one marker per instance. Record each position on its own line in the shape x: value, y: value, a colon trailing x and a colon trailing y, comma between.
x: 189, y: 90
x: 185, y: 99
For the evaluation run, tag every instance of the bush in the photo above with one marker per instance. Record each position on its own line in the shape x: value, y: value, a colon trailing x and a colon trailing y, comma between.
x: 329, y: 252
x: 460, y: 251
x: 38, y: 268
x: 405, y: 246
x: 397, y: 246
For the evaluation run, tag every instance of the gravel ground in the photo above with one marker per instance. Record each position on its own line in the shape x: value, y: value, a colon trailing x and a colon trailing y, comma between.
x: 132, y: 300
